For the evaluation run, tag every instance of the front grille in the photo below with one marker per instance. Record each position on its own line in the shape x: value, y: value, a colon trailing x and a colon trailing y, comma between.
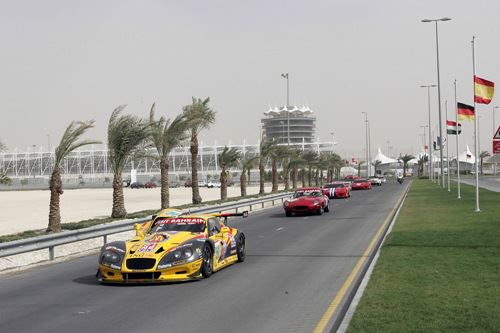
x: 301, y: 208
x: 141, y: 276
x: 141, y: 263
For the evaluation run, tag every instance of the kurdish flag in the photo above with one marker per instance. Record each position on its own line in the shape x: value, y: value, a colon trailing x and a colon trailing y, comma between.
x: 483, y: 90
x: 451, y: 127
x: 465, y: 112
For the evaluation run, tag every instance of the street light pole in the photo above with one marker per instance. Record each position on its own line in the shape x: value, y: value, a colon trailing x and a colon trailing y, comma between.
x: 366, y: 147
x: 494, y: 132
x: 431, y: 160
x: 285, y: 76
x: 333, y: 142
x: 439, y: 97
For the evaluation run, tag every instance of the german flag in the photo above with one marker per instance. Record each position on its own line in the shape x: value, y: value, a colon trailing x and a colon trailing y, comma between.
x: 465, y: 112
x: 483, y: 90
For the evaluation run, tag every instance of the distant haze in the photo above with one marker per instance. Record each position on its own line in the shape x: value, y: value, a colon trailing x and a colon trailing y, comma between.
x: 77, y: 60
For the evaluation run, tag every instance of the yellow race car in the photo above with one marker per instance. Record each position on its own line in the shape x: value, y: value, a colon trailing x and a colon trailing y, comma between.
x: 173, y: 247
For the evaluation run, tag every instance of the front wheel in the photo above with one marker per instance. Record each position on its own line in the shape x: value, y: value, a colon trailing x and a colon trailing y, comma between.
x: 241, y: 248
x: 327, y: 207
x: 207, y: 267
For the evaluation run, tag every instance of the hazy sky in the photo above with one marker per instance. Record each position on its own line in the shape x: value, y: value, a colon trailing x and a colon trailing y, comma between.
x: 77, y: 60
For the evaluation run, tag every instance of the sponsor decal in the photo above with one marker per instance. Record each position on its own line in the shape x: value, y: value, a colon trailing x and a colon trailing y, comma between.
x: 180, y: 221
x: 147, y: 248
x: 233, y: 242
x: 232, y: 251
x: 198, y: 251
x: 179, y: 262
x: 114, y: 248
x: 164, y: 266
x: 157, y: 238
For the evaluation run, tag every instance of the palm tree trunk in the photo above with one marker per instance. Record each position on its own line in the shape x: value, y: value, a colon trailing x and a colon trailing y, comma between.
x: 248, y: 177
x: 295, y: 172
x: 261, y: 176
x: 286, y: 174
x: 165, y: 192
x: 118, y: 209
x: 243, y: 183
x: 309, y: 177
x: 303, y: 176
x: 55, y: 208
x: 316, y: 177
x: 194, y: 168
x: 274, y: 176
x: 223, y: 184
x: 321, y: 178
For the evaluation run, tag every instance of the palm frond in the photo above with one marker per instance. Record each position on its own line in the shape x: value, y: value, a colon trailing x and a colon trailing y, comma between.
x: 229, y: 157
x: 199, y: 115
x: 69, y: 141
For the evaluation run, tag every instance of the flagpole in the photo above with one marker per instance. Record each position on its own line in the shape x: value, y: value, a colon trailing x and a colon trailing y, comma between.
x: 475, y: 122
x: 447, y: 147
x: 458, y: 160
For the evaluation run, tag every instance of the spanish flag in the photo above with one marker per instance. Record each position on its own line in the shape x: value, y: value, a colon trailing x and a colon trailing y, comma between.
x: 465, y: 112
x: 483, y: 90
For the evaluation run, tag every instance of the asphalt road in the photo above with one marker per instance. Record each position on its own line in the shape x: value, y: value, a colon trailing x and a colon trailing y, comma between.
x: 294, y: 268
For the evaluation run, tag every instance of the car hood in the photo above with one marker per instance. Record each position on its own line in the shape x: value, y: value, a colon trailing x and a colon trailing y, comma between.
x: 302, y: 201
x: 157, y: 244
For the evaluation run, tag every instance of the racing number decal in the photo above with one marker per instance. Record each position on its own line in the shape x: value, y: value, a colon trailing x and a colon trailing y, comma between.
x: 147, y: 248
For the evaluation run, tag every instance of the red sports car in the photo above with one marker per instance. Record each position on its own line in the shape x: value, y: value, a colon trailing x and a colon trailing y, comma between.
x: 337, y: 190
x: 361, y: 184
x: 307, y: 200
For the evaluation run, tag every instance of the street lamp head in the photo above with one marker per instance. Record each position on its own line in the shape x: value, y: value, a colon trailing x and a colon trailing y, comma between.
x: 426, y: 20
x: 284, y: 75
x: 445, y: 19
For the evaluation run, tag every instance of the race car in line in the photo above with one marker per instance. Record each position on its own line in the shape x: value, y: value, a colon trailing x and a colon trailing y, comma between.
x: 336, y: 190
x: 361, y: 184
x: 173, y: 247
x: 376, y: 181
x: 307, y: 200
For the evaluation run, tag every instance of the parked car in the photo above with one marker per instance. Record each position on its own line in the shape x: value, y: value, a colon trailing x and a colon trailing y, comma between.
x: 137, y: 185
x: 188, y: 183
x: 150, y: 185
x: 202, y: 183
x: 213, y: 183
x: 375, y: 181
x: 126, y: 183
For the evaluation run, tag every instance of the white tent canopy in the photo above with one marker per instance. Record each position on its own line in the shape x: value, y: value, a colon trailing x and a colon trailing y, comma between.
x: 383, y: 159
x: 466, y: 156
x: 346, y: 171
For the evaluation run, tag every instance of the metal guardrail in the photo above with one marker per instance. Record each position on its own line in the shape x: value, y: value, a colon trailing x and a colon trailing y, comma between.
x: 67, y: 237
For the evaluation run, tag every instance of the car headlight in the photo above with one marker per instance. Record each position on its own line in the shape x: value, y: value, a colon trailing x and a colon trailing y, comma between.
x: 286, y: 203
x: 110, y: 257
x: 315, y: 202
x: 179, y: 256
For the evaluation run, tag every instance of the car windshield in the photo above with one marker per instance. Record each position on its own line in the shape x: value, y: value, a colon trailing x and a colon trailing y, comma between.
x: 360, y: 181
x: 334, y: 185
x: 307, y: 194
x: 191, y: 224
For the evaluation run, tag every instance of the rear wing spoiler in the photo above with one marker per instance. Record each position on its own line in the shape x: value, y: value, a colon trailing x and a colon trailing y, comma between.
x: 243, y: 214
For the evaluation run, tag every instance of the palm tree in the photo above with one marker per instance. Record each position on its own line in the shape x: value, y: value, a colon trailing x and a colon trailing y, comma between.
x: 421, y: 162
x: 406, y: 158
x: 359, y: 167
x: 227, y: 159
x: 376, y: 164
x: 310, y: 157
x: 166, y: 135
x: 293, y: 165
x: 266, y: 148
x: 247, y: 162
x: 126, y: 135
x: 482, y: 156
x: 200, y: 116
x: 277, y: 154
x: 69, y: 142
x: 4, y: 180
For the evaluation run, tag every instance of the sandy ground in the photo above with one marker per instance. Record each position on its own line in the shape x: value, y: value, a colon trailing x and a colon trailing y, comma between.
x: 29, y: 210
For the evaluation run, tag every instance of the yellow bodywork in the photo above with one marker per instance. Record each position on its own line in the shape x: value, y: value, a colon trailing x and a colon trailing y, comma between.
x: 148, y: 246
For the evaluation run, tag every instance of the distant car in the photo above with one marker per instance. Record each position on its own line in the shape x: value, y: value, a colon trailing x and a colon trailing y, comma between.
x: 188, y: 183
x: 382, y: 179
x: 150, y: 185
x: 137, y: 185
x: 336, y: 190
x: 376, y: 181
x: 202, y: 183
x: 174, y: 184
x: 307, y: 200
x: 126, y: 183
x: 213, y: 183
x: 361, y: 184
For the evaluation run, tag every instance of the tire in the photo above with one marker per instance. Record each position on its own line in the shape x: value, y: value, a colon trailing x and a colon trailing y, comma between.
x: 320, y: 211
x: 207, y: 266
x: 327, y: 208
x: 241, y: 249
x: 288, y: 214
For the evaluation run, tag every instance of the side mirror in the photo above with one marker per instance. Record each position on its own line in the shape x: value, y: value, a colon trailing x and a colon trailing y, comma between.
x: 139, y: 231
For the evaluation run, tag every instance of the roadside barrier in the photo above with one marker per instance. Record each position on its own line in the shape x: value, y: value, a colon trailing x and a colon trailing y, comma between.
x: 66, y: 237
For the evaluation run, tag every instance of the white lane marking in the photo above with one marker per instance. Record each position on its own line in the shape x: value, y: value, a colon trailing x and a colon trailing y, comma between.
x: 280, y: 228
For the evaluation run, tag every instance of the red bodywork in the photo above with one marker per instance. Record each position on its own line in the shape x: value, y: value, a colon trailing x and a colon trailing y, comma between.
x: 336, y: 190
x: 361, y: 184
x: 307, y: 200
x: 150, y: 185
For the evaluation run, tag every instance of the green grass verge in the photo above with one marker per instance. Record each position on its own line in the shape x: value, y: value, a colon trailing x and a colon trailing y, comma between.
x: 439, y: 269
x: 140, y: 214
